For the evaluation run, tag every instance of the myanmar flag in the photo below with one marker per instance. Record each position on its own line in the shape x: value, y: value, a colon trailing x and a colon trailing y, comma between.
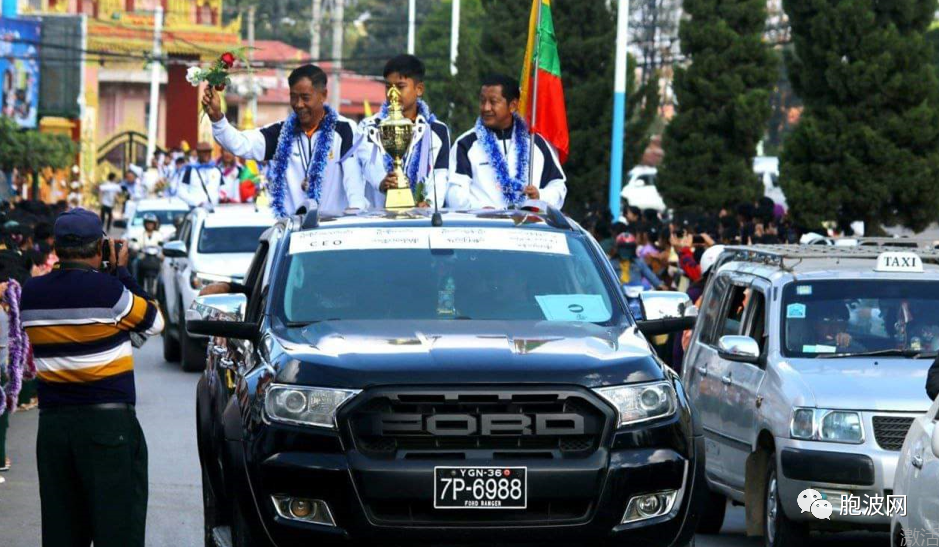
x: 547, y: 101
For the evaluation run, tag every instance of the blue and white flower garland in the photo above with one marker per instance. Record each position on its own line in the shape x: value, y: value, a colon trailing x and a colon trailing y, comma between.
x: 412, y: 163
x: 513, y: 188
x: 317, y: 168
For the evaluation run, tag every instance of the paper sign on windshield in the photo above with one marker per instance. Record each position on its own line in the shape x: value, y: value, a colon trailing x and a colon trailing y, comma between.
x: 500, y: 239
x: 353, y: 239
x: 490, y: 239
x: 573, y: 307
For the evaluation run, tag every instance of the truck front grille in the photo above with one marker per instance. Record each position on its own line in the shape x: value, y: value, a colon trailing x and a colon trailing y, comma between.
x: 478, y: 423
x: 890, y: 431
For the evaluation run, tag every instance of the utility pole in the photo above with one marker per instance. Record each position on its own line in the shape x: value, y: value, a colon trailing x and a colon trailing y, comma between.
x: 411, y: 27
x: 315, y: 16
x: 454, y: 35
x: 154, y: 84
x: 334, y: 93
x: 619, y: 107
x: 252, y: 93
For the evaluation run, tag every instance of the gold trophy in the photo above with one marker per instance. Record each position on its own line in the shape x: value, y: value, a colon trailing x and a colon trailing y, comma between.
x: 396, y: 131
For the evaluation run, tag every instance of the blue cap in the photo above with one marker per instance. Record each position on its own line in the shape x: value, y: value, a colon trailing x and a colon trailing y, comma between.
x: 77, y: 227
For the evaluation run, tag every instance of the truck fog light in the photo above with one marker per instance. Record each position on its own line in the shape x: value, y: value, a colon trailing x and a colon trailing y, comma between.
x: 647, y: 506
x: 303, y: 510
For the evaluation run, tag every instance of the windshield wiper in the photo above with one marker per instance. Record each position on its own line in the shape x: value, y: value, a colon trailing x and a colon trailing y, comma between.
x: 909, y: 353
x: 301, y: 324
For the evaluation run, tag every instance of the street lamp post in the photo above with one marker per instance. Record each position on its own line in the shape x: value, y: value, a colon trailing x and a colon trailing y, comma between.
x: 619, y: 107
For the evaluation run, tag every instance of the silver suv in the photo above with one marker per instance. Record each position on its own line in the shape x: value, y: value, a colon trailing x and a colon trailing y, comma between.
x: 807, y: 367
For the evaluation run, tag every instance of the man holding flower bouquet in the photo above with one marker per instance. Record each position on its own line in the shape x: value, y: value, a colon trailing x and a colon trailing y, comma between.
x: 312, y: 152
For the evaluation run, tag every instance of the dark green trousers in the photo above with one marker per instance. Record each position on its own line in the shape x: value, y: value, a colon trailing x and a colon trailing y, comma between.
x: 92, y: 477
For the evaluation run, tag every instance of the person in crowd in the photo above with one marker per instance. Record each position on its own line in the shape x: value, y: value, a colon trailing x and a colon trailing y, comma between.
x: 231, y: 170
x: 200, y: 184
x: 86, y: 497
x: 312, y: 152
x: 107, y: 197
x: 632, y: 270
x: 489, y: 163
x: 406, y: 73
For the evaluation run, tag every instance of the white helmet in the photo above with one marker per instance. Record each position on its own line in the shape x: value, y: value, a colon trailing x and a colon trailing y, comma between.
x: 709, y: 257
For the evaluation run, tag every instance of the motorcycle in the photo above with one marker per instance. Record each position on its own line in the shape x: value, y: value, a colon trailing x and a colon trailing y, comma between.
x: 150, y: 264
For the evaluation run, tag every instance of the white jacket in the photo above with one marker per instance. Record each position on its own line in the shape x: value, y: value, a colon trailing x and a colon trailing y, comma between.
x: 473, y: 182
x: 343, y: 184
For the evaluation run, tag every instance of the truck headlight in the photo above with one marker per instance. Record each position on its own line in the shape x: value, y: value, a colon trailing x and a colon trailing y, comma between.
x: 638, y: 403
x: 301, y: 405
x: 819, y: 424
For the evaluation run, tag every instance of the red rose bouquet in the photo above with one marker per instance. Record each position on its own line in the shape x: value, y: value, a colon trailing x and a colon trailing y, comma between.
x: 218, y: 74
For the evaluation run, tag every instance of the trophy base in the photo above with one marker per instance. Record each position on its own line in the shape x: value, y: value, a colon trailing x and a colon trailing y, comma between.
x: 399, y: 198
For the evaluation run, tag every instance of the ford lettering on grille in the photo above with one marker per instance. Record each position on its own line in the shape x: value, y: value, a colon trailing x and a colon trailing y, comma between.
x: 559, y: 424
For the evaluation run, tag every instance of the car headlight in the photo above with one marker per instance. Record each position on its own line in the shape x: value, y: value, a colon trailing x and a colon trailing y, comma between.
x: 819, y: 424
x: 198, y: 280
x: 638, y: 403
x: 314, y: 406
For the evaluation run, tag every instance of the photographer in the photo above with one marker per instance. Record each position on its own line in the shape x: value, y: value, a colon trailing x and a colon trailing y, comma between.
x: 91, y: 452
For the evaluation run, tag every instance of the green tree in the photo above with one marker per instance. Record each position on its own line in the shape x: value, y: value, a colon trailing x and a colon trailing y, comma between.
x: 723, y: 105
x: 867, y: 146
x: 30, y: 150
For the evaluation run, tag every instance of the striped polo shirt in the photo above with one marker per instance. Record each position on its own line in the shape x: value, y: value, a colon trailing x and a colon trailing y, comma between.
x: 79, y: 322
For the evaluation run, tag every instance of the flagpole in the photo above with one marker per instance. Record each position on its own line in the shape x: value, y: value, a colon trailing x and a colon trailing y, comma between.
x: 619, y: 108
x: 534, y: 97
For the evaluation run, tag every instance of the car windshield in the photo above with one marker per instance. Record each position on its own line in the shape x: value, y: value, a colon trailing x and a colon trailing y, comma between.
x: 230, y: 239
x: 166, y: 218
x: 832, y: 318
x: 504, y: 274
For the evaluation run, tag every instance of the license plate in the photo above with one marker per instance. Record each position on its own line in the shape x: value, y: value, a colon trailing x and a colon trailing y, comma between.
x: 480, y: 487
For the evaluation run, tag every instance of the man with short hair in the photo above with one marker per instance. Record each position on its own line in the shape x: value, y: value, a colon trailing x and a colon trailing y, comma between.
x: 90, y: 451
x: 489, y: 164
x: 406, y: 73
x: 201, y: 182
x: 312, y: 152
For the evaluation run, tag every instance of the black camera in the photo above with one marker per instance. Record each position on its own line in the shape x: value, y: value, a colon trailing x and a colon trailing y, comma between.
x: 109, y: 263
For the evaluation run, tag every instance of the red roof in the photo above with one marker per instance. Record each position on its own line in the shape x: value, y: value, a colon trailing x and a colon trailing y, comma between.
x: 273, y: 51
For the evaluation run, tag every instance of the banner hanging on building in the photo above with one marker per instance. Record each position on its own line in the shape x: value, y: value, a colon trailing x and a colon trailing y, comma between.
x: 19, y: 70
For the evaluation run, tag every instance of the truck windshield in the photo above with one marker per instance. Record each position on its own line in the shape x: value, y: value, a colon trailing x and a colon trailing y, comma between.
x: 230, y: 239
x: 503, y: 274
x: 834, y: 318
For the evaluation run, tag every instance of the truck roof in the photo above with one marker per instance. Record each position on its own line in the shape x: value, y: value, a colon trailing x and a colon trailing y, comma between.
x: 822, y: 260
x: 550, y: 219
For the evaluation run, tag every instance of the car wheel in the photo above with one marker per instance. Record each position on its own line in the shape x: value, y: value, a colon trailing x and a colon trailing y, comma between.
x: 712, y: 517
x: 193, y: 354
x: 779, y: 531
x: 209, y: 509
x: 170, y: 344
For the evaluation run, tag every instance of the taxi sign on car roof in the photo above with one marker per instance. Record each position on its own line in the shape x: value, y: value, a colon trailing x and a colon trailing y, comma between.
x: 899, y: 262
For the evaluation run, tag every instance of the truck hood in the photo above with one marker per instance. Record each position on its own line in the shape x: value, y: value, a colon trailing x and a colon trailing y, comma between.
x: 224, y: 264
x: 358, y: 354
x: 883, y: 384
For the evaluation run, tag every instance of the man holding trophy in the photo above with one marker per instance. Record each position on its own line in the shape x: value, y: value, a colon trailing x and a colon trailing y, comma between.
x: 406, y: 148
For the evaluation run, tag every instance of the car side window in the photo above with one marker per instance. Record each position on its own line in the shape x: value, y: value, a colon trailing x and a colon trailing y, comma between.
x: 756, y: 321
x: 732, y: 316
x: 254, y: 281
x: 711, y: 308
x: 185, y: 232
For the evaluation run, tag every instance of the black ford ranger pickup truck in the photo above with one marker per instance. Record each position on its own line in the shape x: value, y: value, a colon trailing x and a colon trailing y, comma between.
x: 387, y: 379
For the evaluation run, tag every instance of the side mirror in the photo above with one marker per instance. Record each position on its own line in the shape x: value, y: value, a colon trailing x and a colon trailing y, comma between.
x: 742, y: 349
x: 218, y: 307
x: 665, y: 312
x: 120, y: 223
x: 239, y: 330
x: 175, y: 249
